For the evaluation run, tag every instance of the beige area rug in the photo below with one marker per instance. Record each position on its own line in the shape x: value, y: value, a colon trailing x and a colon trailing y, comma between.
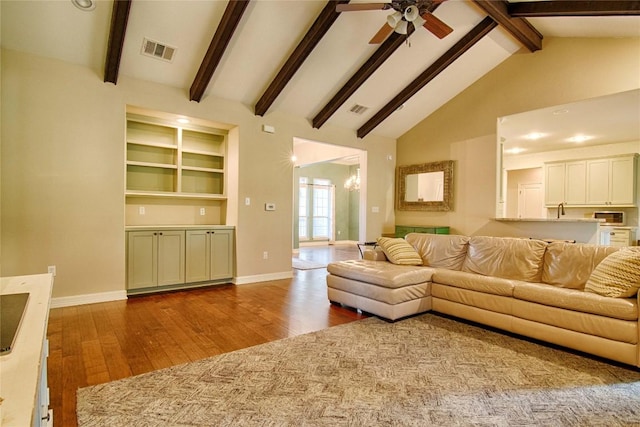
x: 423, y: 371
x: 303, y: 264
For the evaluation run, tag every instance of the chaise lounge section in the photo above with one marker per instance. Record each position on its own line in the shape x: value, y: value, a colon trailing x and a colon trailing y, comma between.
x: 579, y: 296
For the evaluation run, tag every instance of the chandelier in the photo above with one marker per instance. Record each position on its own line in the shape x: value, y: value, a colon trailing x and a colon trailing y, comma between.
x: 353, y: 183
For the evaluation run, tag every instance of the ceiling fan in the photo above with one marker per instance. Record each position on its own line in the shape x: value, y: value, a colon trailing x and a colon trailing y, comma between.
x: 415, y: 12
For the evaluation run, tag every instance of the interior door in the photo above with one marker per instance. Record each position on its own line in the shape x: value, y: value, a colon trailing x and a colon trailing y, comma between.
x: 530, y: 201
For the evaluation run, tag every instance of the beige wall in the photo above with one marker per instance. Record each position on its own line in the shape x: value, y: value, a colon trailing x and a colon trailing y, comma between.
x: 63, y: 173
x: 464, y: 129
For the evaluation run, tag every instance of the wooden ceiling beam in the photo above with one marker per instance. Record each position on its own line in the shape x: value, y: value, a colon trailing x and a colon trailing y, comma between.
x: 520, y: 28
x: 320, y: 27
x: 228, y: 24
x: 119, y: 18
x: 386, y: 49
x: 574, y: 8
x: 463, y: 45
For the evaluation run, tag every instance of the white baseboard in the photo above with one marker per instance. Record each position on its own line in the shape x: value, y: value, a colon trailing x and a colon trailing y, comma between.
x: 88, y: 299
x: 244, y: 280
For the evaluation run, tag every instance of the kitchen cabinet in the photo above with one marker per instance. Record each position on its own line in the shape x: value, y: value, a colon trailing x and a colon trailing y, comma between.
x: 23, y: 371
x: 565, y: 182
x: 609, y: 181
x: 575, y: 184
x: 554, y: 177
x: 177, y: 257
x: 616, y: 236
x: 209, y: 254
x: 155, y: 258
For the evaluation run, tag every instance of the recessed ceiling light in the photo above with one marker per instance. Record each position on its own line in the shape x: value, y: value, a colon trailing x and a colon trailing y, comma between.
x: 85, y: 5
x: 515, y: 150
x: 534, y: 135
x: 559, y: 112
x: 579, y: 138
x: 182, y: 120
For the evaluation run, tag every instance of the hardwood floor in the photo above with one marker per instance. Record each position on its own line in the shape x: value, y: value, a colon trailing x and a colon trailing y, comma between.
x: 97, y: 343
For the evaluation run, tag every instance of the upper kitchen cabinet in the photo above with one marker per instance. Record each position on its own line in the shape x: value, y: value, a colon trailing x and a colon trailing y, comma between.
x: 612, y: 181
x: 171, y: 160
x: 565, y: 182
x: 603, y: 182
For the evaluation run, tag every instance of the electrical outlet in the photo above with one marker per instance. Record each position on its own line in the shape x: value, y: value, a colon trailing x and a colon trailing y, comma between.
x: 52, y: 270
x: 141, y: 210
x: 265, y: 255
x: 247, y: 201
x: 202, y: 211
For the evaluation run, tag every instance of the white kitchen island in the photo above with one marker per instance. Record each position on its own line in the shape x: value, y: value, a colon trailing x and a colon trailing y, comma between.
x: 23, y: 371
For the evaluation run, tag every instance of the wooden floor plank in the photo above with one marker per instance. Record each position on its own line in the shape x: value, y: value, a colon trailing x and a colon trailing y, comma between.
x: 104, y: 342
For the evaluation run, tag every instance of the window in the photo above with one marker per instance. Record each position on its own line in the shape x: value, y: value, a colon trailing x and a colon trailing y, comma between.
x: 321, y: 209
x: 315, y: 209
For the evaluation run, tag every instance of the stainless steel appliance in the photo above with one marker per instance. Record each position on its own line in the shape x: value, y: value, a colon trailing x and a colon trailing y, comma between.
x: 615, y: 218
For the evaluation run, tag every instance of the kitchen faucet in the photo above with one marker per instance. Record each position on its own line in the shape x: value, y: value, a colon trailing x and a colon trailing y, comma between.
x: 560, y: 209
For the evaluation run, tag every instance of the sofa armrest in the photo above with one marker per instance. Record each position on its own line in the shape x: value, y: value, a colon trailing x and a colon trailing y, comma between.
x: 374, y: 255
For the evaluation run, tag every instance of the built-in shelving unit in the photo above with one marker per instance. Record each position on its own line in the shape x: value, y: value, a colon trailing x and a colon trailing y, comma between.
x: 167, y: 160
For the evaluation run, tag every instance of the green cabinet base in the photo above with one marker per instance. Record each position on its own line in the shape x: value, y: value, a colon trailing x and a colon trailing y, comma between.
x: 403, y: 230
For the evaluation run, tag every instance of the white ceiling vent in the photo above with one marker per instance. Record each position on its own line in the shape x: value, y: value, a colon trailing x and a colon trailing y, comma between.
x: 157, y: 50
x: 358, y: 109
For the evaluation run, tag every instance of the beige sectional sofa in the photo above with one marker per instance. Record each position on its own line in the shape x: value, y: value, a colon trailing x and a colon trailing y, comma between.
x: 524, y: 286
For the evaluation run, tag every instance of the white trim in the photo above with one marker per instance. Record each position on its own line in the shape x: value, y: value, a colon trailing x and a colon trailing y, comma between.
x: 262, y: 278
x: 88, y: 299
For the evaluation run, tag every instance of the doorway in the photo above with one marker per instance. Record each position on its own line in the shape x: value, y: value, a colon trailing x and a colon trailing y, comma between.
x: 325, y: 211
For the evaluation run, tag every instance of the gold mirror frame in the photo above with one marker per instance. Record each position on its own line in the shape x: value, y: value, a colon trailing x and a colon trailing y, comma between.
x: 401, y: 181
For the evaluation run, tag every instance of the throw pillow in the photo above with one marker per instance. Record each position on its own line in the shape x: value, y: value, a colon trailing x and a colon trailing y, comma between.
x: 618, y: 275
x: 398, y: 251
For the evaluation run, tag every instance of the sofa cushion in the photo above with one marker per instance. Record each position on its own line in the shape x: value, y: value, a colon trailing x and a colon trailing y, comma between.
x: 569, y: 265
x: 491, y: 302
x: 381, y: 273
x: 572, y: 299
x: 380, y: 293
x: 398, y: 251
x: 440, y: 250
x: 586, y: 323
x: 474, y: 282
x: 506, y: 257
x: 618, y: 275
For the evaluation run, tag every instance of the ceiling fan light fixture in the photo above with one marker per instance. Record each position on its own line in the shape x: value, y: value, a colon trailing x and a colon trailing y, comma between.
x: 411, y: 13
x: 394, y: 19
x: 418, y: 22
x: 402, y: 27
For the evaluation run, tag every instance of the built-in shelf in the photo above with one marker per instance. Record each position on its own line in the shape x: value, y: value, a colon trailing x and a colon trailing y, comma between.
x: 167, y: 160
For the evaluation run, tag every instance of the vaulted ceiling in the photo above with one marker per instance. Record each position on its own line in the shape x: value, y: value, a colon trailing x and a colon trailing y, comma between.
x: 304, y: 57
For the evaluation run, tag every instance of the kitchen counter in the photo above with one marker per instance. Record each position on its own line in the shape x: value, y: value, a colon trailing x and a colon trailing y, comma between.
x: 23, y: 371
x: 593, y: 220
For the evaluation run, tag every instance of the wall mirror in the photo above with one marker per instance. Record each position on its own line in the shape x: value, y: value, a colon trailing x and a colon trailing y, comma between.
x: 425, y: 187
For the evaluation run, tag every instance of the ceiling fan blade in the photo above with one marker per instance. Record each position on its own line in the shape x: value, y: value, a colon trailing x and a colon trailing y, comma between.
x: 382, y: 34
x: 346, y: 7
x: 436, y: 26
